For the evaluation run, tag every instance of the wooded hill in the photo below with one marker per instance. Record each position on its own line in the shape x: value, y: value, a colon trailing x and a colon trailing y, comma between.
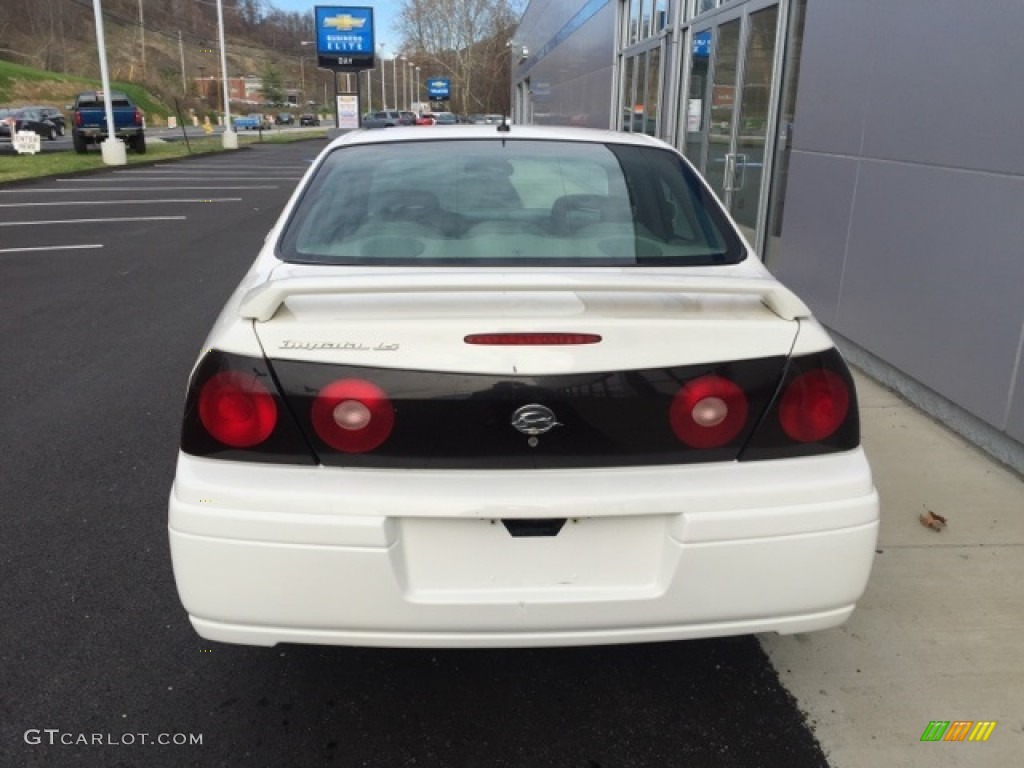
x: 166, y: 44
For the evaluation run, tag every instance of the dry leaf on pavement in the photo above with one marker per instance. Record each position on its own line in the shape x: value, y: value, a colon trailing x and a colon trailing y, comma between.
x: 931, y: 520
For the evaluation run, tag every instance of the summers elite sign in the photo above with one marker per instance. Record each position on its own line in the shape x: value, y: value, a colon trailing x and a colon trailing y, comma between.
x: 439, y: 88
x: 344, y: 38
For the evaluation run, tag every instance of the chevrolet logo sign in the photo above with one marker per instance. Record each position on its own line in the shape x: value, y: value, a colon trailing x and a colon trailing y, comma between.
x: 344, y: 22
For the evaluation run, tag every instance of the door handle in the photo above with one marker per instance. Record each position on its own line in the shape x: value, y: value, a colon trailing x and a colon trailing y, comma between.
x: 730, y: 173
x: 739, y: 170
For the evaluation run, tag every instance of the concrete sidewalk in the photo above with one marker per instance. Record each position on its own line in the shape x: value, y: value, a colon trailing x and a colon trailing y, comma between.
x: 939, y: 635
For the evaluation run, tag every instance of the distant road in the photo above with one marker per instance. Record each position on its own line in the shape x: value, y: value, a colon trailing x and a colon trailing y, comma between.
x: 63, y: 143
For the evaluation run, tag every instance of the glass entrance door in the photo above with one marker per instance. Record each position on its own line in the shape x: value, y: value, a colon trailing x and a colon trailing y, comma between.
x: 729, y: 106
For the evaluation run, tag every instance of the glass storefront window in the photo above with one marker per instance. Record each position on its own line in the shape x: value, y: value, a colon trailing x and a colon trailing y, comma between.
x: 653, y: 92
x: 696, y: 112
x: 700, y: 6
x: 634, y: 21
x: 636, y: 122
x: 660, y: 15
x: 626, y: 111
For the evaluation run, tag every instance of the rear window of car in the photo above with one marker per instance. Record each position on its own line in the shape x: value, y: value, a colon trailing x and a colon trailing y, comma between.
x: 507, y: 202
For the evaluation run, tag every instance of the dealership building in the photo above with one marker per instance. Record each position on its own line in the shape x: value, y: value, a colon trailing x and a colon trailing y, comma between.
x: 872, y: 151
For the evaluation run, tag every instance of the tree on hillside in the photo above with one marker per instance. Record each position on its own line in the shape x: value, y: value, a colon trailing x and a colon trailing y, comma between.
x: 273, y: 90
x: 464, y: 40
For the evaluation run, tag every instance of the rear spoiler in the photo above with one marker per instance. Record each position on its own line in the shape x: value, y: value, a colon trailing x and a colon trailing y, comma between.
x: 262, y: 302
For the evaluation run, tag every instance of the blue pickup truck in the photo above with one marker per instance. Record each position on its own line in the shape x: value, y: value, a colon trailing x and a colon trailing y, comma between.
x: 254, y: 121
x: 89, y: 121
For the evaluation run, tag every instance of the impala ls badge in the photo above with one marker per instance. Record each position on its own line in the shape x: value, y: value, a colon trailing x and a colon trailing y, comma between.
x: 534, y: 419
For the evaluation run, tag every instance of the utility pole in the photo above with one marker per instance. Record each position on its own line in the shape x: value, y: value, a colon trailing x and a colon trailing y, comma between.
x: 181, y: 52
x: 142, y: 33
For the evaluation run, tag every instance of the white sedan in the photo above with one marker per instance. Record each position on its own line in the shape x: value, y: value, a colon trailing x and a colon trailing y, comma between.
x: 515, y: 386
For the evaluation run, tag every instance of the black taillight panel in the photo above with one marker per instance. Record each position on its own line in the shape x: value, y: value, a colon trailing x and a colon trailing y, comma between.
x: 770, y: 439
x: 466, y: 421
x: 284, y: 445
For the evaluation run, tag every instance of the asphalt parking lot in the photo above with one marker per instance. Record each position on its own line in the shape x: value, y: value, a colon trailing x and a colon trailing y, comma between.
x: 109, y: 284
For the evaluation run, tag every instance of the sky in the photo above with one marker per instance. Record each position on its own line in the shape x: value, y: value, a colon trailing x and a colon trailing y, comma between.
x: 385, y: 14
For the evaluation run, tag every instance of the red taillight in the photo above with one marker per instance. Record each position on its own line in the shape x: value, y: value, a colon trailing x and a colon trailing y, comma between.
x: 532, y: 339
x: 78, y: 118
x: 236, y: 409
x: 353, y: 415
x: 708, y: 412
x: 138, y: 117
x: 814, y: 406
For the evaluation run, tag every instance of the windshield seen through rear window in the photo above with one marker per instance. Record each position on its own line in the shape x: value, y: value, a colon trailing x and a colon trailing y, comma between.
x: 508, y: 203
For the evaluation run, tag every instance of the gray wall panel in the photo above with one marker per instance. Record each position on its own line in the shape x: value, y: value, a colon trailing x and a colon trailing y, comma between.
x: 818, y: 203
x: 945, y: 83
x: 930, y: 81
x: 833, y: 86
x: 934, y: 280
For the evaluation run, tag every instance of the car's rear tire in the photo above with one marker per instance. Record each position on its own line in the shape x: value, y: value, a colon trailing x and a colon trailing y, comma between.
x: 81, y: 147
x: 139, y: 143
x: 52, y: 134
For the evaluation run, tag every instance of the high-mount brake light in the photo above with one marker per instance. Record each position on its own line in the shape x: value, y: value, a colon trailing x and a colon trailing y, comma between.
x: 532, y: 339
x: 708, y: 412
x: 352, y: 415
x: 814, y: 406
x: 236, y: 409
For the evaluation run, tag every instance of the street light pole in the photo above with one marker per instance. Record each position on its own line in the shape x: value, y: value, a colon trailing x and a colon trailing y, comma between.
x: 230, y: 138
x: 417, y: 99
x: 383, y: 80
x: 112, y: 148
x: 302, y: 69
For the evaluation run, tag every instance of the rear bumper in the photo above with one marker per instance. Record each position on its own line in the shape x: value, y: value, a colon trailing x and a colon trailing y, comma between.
x: 93, y: 134
x: 267, y: 554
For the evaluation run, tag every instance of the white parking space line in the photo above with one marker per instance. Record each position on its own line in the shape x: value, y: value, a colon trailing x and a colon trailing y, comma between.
x: 161, y: 188
x: 50, y: 248
x: 92, y: 221
x: 202, y: 171
x: 125, y: 202
x: 232, y: 167
x: 218, y: 177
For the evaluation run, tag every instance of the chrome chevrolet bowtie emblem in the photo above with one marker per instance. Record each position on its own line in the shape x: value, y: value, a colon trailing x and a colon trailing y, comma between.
x: 534, y: 419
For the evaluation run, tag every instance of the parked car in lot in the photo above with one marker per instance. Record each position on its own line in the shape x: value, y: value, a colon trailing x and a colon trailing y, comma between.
x: 515, y: 386
x: 445, y: 118
x: 284, y: 118
x: 89, y: 121
x: 386, y: 118
x: 426, y: 118
x: 309, y: 119
x: 52, y: 114
x: 26, y: 119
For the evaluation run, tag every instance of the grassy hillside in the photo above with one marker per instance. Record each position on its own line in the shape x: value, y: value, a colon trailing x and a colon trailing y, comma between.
x: 24, y: 85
